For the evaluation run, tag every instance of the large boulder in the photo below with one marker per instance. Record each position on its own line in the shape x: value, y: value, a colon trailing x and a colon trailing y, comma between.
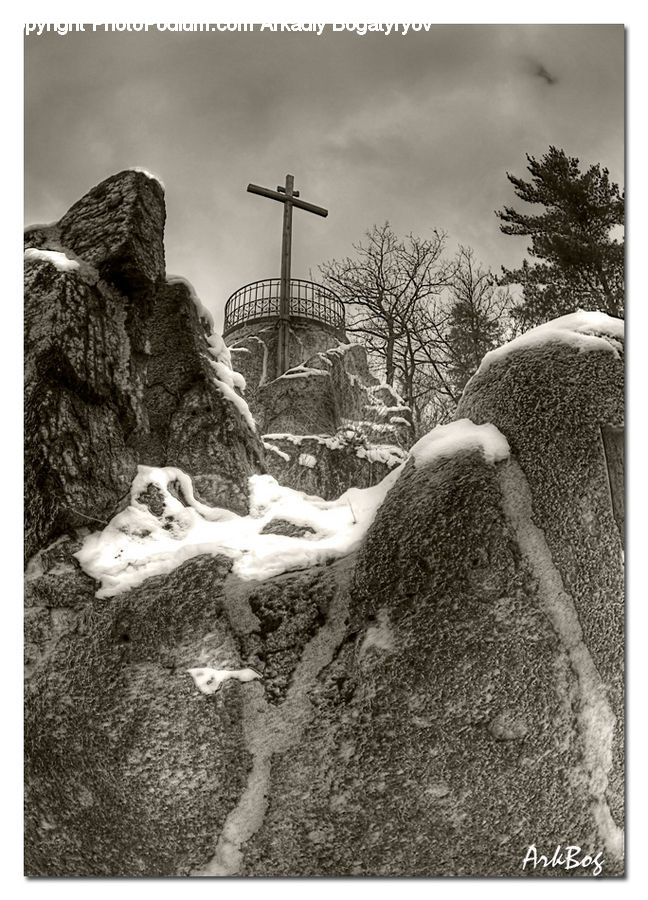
x: 462, y: 718
x: 129, y: 771
x: 197, y: 418
x: 118, y: 227
x: 475, y: 697
x: 323, y: 392
x: 557, y: 393
x: 133, y: 765
x: 119, y: 367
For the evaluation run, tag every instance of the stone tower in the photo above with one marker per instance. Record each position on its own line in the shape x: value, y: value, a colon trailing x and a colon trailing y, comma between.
x: 326, y: 421
x: 316, y: 320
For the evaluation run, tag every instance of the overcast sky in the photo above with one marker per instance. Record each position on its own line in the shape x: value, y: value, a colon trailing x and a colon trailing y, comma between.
x: 418, y: 130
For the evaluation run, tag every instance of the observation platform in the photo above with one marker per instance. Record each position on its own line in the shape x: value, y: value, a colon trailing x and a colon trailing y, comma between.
x: 310, y: 303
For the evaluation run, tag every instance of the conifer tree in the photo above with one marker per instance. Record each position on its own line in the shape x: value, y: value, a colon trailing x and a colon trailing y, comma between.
x: 580, y: 261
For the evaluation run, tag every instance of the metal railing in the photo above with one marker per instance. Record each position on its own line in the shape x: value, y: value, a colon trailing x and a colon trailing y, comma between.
x: 260, y: 300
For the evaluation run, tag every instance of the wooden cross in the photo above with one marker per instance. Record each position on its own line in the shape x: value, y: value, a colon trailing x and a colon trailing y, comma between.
x: 289, y: 198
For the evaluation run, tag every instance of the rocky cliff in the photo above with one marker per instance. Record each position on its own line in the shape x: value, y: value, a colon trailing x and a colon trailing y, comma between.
x: 119, y: 368
x: 419, y: 678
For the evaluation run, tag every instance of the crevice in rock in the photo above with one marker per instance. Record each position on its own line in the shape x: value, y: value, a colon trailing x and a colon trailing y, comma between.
x: 274, y: 729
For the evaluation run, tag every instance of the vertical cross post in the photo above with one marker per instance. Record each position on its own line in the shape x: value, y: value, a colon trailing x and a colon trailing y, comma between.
x: 283, y: 346
x: 289, y: 197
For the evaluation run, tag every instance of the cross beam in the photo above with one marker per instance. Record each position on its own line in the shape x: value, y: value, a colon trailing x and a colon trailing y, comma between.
x: 289, y: 197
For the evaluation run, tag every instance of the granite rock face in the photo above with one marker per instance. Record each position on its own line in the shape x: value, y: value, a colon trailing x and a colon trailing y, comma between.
x: 321, y: 394
x: 441, y: 633
x: 452, y: 726
x: 130, y: 769
x: 562, y: 411
x: 191, y: 423
x: 429, y: 705
x: 117, y: 228
x: 117, y: 367
x: 306, y: 338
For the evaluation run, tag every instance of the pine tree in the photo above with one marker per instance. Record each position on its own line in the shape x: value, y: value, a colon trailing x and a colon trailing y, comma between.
x: 580, y: 262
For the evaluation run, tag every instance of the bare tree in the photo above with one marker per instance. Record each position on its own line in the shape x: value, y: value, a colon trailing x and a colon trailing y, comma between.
x: 383, y: 288
x: 478, y: 317
x: 426, y: 321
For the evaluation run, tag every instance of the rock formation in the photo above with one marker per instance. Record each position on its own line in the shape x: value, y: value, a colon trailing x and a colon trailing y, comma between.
x: 560, y: 403
x: 327, y: 423
x: 118, y: 367
x: 439, y: 657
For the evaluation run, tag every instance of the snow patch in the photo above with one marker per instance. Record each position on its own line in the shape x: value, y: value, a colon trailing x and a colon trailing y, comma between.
x: 388, y: 454
x: 226, y: 373
x: 382, y: 411
x: 583, y: 330
x: 59, y: 260
x: 446, y: 440
x: 302, y: 372
x: 203, y: 312
x: 148, y: 175
x: 340, y: 350
x: 365, y: 425
x: 333, y: 443
x: 379, y: 636
x: 276, y: 450
x: 138, y: 543
x: 227, y: 390
x: 208, y: 681
x: 305, y: 459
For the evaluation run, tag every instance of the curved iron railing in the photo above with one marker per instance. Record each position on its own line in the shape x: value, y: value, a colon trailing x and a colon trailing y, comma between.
x: 260, y: 300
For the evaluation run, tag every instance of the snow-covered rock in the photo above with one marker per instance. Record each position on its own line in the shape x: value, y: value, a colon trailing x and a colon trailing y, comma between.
x: 165, y: 525
x: 120, y: 367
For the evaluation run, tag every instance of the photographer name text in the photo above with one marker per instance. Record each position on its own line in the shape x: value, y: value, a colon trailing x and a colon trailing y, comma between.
x: 318, y: 29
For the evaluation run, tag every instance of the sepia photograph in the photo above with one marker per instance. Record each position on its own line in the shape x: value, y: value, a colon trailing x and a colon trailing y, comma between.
x: 324, y: 407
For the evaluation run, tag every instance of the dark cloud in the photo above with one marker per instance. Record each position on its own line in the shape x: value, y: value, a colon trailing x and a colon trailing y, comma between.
x: 419, y: 130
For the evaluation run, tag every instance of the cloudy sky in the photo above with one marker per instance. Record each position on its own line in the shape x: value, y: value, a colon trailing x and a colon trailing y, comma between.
x: 418, y: 130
